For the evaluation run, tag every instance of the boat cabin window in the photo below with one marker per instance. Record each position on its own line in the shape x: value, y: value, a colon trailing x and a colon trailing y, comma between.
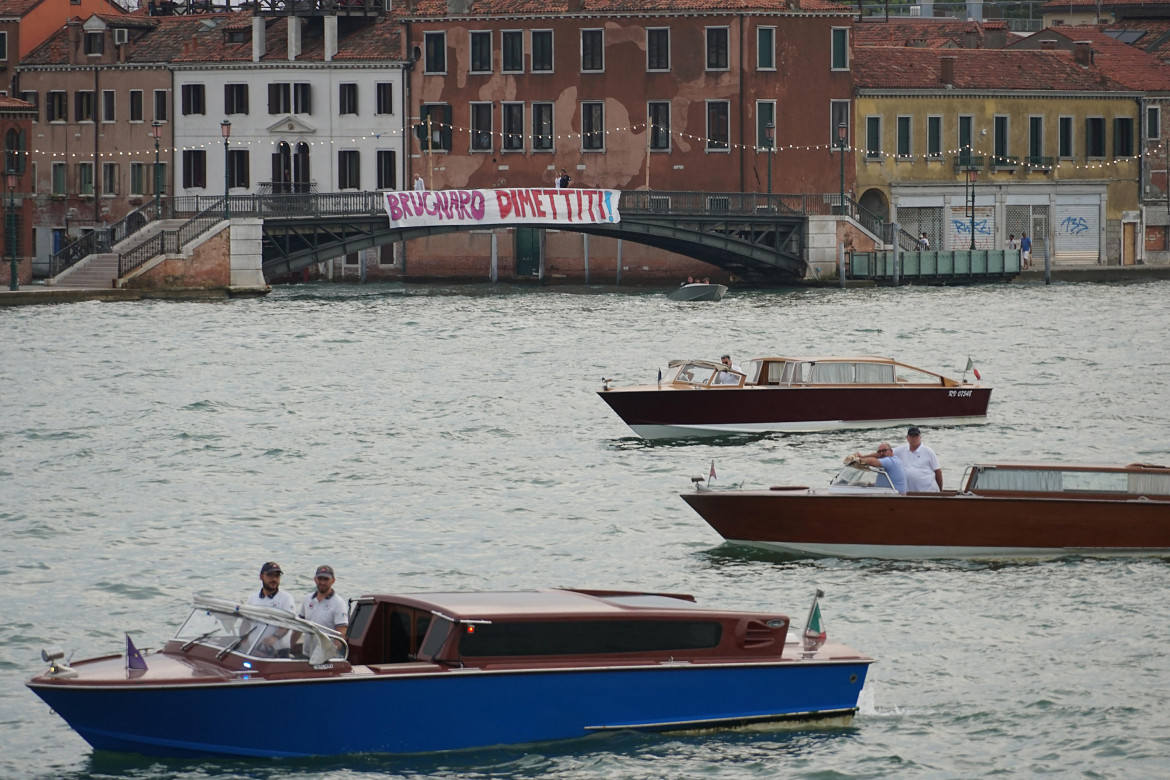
x: 690, y: 374
x: 1059, y: 481
x: 381, y: 633
x: 586, y: 637
x: 790, y: 372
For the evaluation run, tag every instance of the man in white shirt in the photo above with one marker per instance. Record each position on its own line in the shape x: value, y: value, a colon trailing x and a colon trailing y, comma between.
x: 726, y: 377
x: 275, y: 640
x: 923, y: 473
x: 323, y: 606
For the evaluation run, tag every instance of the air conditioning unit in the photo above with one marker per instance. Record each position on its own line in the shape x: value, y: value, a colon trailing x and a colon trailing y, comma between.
x: 121, y: 36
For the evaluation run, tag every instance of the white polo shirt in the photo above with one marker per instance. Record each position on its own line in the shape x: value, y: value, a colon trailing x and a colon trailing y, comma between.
x: 282, y: 600
x: 331, y: 612
x: 920, y: 465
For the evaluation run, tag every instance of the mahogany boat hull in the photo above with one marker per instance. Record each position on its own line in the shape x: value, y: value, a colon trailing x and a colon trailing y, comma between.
x: 936, y: 525
x: 668, y: 412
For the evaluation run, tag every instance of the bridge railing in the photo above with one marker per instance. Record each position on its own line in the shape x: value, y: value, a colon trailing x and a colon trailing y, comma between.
x: 101, y: 239
x: 170, y: 241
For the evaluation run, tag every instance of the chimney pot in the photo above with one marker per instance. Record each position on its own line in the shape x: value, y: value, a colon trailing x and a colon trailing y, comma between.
x: 1083, y: 52
x: 947, y: 73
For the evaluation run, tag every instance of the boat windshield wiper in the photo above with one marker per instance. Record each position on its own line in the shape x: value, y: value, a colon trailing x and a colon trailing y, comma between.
x: 199, y: 638
x: 234, y: 645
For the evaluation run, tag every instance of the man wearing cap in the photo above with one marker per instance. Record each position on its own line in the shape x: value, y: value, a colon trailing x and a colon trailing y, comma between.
x: 275, y: 640
x: 323, y: 606
x: 923, y: 472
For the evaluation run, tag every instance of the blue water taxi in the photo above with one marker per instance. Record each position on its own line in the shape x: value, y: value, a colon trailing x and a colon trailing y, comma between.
x: 425, y: 672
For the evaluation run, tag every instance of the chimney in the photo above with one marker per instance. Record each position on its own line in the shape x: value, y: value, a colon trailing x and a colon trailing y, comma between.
x: 74, y: 26
x: 458, y: 7
x: 259, y: 45
x: 294, y: 37
x: 576, y: 6
x: 1083, y: 53
x: 971, y: 39
x: 1048, y: 44
x: 947, y: 74
x: 330, y: 37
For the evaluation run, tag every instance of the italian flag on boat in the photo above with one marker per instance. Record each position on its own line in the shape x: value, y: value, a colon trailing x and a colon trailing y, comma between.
x: 814, y: 627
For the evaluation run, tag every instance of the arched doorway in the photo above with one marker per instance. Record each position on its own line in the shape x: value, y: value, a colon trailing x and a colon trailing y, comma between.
x: 876, y: 202
x: 290, y: 169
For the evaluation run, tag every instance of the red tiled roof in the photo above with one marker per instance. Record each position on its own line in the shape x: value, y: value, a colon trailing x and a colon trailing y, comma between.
x: 14, y: 104
x: 877, y: 67
x: 924, y: 33
x: 16, y: 7
x: 1156, y: 40
x: 438, y: 8
x: 1087, y: 5
x: 202, y: 38
x: 1125, y: 64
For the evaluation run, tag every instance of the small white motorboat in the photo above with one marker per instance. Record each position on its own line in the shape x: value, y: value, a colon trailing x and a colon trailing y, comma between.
x: 699, y: 291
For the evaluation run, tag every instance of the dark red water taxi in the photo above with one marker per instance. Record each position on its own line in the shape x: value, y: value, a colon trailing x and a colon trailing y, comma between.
x: 796, y: 394
x: 1003, y: 510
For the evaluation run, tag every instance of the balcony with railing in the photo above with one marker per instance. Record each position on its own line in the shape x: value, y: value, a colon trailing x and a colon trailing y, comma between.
x: 1039, y: 163
x: 968, y: 162
x: 1004, y: 163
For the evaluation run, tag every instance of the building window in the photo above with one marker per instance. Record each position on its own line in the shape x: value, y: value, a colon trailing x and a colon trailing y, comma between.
x: 513, y: 46
x: 717, y: 48
x: 542, y: 51
x: 3, y: 45
x: 33, y: 98
x: 95, y: 43
x: 384, y: 90
x: 513, y: 126
x: 439, y: 115
x: 1035, y: 138
x: 481, y: 127
x: 194, y: 168
x: 1065, y: 137
x: 542, y: 127
x: 765, y: 115
x: 592, y: 126
x: 481, y: 52
x: 966, y: 136
x: 1095, y: 136
x: 85, y: 178
x: 658, y: 112
x: 109, y: 178
x: 349, y: 170
x: 435, y: 45
x: 194, y: 99
x: 347, y: 98
x: 387, y: 170
x: 1153, y: 123
x: 83, y: 106
x: 137, y: 179
x: 765, y: 48
x: 905, y: 141
x: 161, y: 180
x: 934, y: 135
x: 135, y: 105
x: 288, y: 98
x: 1123, y: 136
x: 838, y: 115
x: 840, y: 48
x: 658, y: 48
x: 1001, y: 143
x: 873, y: 137
x: 109, y: 101
x: 718, y: 125
x: 56, y: 106
x: 160, y: 105
x: 57, y: 171
x: 302, y: 98
x: 238, y: 164
x: 592, y: 51
x: 235, y: 98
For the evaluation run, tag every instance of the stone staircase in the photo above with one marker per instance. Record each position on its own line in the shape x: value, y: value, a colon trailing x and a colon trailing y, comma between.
x: 100, y: 271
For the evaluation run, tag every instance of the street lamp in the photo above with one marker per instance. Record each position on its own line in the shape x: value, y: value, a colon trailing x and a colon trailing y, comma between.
x: 225, y: 127
x: 969, y: 189
x: 842, y: 133
x: 770, y: 137
x: 156, y: 131
x: 12, y: 179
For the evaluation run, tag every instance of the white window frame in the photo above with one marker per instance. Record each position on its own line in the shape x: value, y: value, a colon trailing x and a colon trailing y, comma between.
x: 707, y: 48
x: 845, y: 50
x: 771, y: 49
x: 668, y: 50
x: 504, y: 34
x: 909, y: 120
x: 707, y: 139
x: 600, y: 31
x: 552, y: 51
x: 471, y: 36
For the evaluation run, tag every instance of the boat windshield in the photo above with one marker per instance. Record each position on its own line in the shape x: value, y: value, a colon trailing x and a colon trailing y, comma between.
x: 860, y: 476
x: 695, y: 374
x: 236, y: 628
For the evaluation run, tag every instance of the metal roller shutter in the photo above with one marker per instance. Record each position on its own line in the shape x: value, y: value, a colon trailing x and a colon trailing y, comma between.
x: 1078, y: 233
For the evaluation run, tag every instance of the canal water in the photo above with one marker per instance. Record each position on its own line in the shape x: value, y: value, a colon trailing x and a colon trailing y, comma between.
x: 450, y: 437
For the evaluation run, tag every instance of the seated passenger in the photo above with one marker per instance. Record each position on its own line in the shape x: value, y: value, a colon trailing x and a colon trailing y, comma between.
x: 884, y: 459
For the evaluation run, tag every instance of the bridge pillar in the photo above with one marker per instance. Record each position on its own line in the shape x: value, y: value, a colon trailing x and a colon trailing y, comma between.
x: 246, y: 251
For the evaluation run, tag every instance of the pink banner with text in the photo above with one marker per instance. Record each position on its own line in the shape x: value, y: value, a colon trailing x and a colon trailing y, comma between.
x: 533, y: 206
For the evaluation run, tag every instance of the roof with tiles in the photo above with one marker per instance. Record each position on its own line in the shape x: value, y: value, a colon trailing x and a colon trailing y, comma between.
x: 1056, y: 5
x: 439, y: 8
x: 1127, y: 65
x: 1155, y: 37
x: 203, y: 38
x: 16, y: 7
x: 980, y: 70
x: 923, y: 33
x: 14, y: 104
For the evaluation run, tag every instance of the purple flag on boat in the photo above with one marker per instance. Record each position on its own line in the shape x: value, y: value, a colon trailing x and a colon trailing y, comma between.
x: 134, y: 659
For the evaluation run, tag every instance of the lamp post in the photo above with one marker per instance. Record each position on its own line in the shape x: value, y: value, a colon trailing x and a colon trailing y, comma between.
x: 12, y: 179
x: 156, y: 131
x: 225, y: 127
x: 770, y: 137
x: 842, y: 133
x: 972, y: 176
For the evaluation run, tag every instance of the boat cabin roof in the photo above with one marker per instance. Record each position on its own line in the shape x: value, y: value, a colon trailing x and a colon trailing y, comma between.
x: 540, y: 603
x: 831, y: 359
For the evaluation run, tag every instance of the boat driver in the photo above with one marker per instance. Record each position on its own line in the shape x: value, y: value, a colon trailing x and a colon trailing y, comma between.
x: 884, y: 458
x: 726, y: 377
x: 275, y: 641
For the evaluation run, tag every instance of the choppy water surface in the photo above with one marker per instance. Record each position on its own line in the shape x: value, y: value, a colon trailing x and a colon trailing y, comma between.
x: 427, y: 437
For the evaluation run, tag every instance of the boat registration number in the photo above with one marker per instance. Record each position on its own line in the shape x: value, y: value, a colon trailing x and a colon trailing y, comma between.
x: 960, y: 393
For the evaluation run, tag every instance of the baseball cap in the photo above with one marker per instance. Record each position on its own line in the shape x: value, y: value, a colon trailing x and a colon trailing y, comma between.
x: 914, y: 431
x: 270, y: 567
x: 324, y: 571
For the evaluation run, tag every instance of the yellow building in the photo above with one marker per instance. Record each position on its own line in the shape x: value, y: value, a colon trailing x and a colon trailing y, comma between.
x: 973, y: 147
